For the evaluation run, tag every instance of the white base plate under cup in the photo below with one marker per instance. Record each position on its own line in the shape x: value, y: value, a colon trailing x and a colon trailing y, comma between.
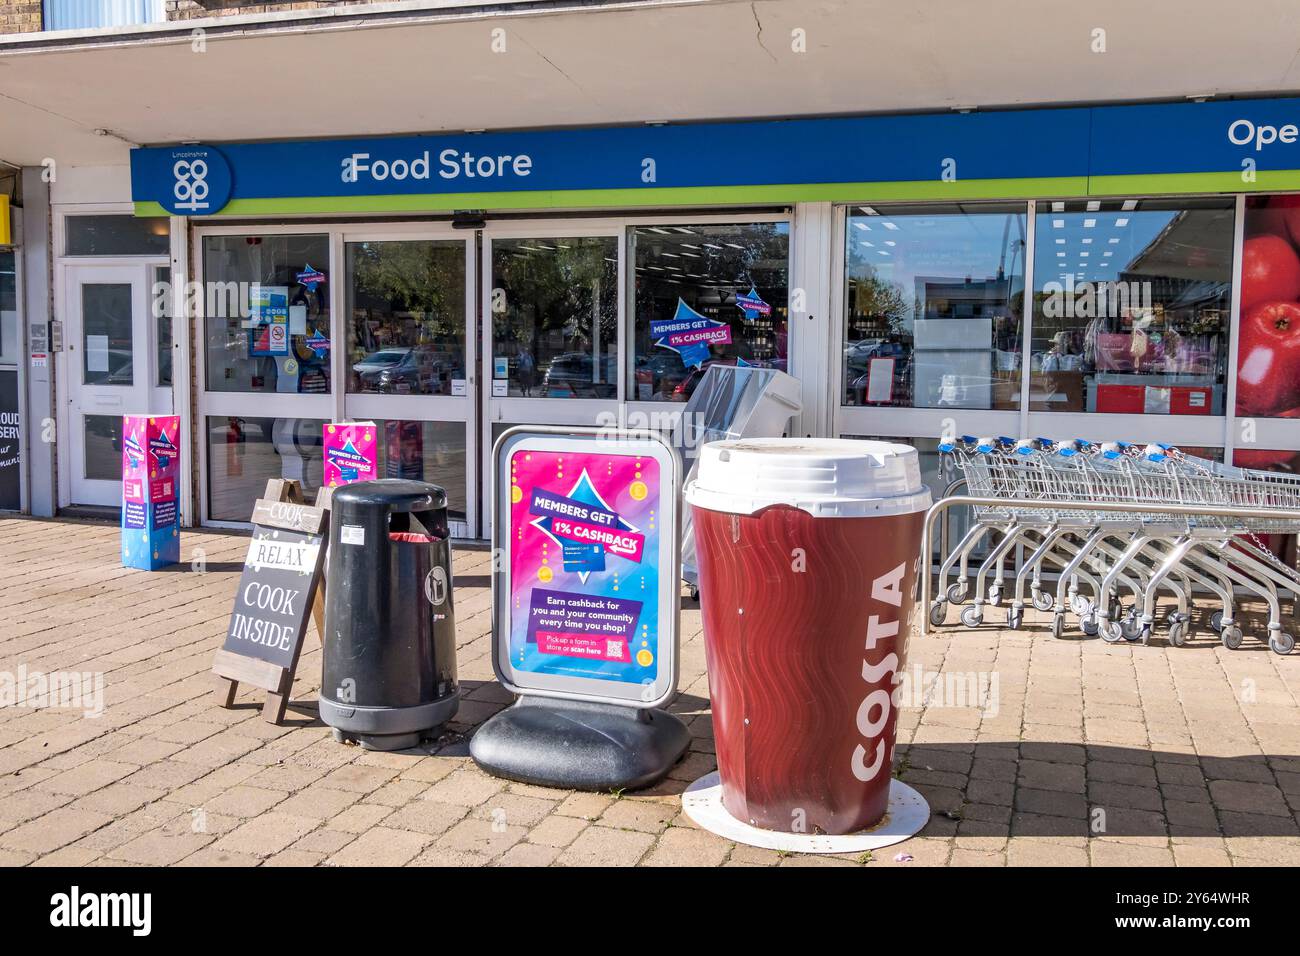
x: 906, y: 815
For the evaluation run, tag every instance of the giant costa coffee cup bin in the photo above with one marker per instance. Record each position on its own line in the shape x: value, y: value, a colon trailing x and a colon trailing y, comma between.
x: 389, y: 672
x: 807, y: 553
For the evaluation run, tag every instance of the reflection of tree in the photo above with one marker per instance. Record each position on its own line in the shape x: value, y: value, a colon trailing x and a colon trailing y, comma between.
x: 875, y: 298
x: 418, y: 279
x: 556, y: 290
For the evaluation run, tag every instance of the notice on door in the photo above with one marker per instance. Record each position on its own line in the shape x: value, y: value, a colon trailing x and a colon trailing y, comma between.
x: 96, y: 353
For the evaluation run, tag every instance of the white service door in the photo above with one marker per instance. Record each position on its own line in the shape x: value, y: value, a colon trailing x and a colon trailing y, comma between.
x: 111, y: 364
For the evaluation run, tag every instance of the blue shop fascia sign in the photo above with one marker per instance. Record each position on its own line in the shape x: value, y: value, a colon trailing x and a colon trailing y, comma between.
x: 1221, y: 146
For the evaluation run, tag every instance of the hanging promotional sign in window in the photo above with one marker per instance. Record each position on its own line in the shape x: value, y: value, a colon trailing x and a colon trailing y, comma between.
x: 588, y: 586
x: 269, y: 320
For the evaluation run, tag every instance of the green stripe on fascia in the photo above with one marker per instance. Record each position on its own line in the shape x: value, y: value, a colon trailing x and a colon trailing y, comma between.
x: 1273, y: 180
x: 654, y: 196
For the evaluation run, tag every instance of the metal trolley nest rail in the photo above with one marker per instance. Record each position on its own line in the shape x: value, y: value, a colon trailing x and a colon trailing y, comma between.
x: 1193, y: 532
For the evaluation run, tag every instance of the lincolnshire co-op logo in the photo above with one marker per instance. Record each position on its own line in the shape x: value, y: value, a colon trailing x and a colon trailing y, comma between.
x: 199, y: 181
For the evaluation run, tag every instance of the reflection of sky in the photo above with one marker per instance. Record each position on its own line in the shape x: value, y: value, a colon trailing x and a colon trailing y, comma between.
x: 1093, y: 246
x: 902, y: 249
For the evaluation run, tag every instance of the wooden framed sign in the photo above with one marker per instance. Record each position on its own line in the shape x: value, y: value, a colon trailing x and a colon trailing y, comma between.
x: 280, y: 586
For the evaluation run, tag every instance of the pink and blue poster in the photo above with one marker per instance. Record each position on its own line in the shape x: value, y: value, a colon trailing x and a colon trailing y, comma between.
x: 585, y: 564
x: 690, y: 334
x: 351, y: 452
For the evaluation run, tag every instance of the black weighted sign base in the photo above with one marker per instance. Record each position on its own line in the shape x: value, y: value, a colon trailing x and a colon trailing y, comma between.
x: 578, y: 745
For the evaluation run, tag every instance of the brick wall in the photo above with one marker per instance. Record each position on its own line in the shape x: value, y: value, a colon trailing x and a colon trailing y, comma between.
x: 193, y: 10
x: 20, y: 16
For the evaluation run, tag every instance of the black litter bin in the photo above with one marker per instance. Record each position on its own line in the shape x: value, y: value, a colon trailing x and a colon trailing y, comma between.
x: 389, y: 672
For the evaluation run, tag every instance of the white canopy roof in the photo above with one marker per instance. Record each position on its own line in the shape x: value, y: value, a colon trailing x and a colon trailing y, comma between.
x: 433, y: 66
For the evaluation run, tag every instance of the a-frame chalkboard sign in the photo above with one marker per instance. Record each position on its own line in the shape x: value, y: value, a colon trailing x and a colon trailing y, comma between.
x: 282, y: 582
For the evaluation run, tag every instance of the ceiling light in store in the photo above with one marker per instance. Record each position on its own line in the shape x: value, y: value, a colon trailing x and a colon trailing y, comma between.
x: 1129, y: 205
x: 1060, y: 255
x: 1060, y: 242
x: 1114, y: 241
x: 1058, y: 223
x: 662, y: 232
x: 889, y: 225
x: 687, y: 245
x: 882, y: 252
x: 1121, y: 223
x: 869, y: 245
x: 869, y: 211
x: 670, y: 255
x: 684, y: 231
x: 1083, y: 255
x: 858, y: 224
x: 735, y: 246
x: 1107, y: 253
x: 1093, y: 205
x: 1058, y: 206
x: 1089, y: 223
x: 890, y: 242
x: 1087, y: 241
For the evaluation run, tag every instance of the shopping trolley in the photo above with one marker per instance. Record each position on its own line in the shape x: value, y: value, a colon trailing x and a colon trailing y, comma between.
x: 1100, y: 556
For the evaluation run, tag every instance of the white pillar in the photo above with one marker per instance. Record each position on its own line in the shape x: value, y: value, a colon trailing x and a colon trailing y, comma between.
x: 35, y: 313
x: 811, y: 349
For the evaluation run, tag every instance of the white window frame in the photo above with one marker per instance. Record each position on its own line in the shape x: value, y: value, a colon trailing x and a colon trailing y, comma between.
x: 327, y: 407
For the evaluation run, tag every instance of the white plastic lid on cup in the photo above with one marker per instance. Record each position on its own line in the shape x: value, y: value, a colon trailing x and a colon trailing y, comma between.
x: 826, y: 477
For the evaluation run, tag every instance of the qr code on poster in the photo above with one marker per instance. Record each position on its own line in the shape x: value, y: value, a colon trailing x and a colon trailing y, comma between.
x: 614, y: 650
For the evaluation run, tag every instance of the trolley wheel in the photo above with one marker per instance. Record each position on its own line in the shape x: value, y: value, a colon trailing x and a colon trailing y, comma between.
x: 1231, y: 637
x: 1090, y: 626
x: 1178, y: 634
x: 1058, y: 625
x: 1043, y: 601
x: 1281, y: 643
x: 938, y: 613
x: 1131, y: 628
x: 1113, y: 632
x: 995, y: 594
x: 1015, y: 617
x: 972, y: 616
x: 1216, y: 620
x: 957, y: 592
x: 1145, y: 636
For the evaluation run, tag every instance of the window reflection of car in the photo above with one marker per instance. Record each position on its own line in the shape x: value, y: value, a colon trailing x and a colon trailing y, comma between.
x: 658, y: 374
x: 121, y: 366
x: 401, y: 370
x: 572, y: 375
